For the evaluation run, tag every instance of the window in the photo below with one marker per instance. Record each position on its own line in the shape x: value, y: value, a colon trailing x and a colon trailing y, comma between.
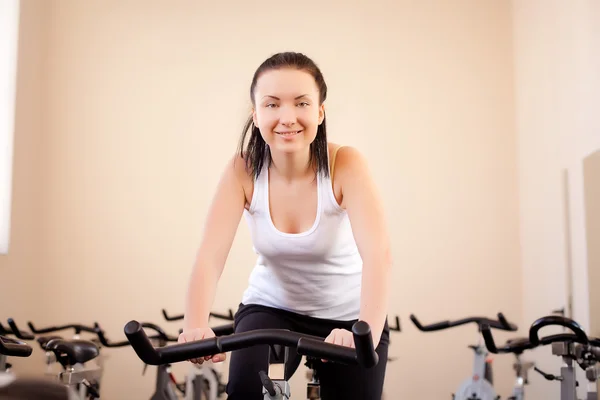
x: 9, y: 24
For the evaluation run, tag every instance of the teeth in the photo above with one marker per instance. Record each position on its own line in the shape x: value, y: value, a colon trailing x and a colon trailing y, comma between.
x: 288, y: 133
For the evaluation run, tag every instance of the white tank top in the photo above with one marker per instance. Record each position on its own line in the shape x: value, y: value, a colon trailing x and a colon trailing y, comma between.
x: 317, y: 272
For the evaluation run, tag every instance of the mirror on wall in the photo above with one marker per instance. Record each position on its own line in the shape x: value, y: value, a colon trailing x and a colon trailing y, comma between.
x: 591, y: 183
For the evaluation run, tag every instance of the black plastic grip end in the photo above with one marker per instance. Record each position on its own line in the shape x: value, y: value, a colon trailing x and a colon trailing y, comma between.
x: 14, y: 348
x: 363, y: 341
x: 141, y: 343
x: 19, y: 333
x: 507, y: 325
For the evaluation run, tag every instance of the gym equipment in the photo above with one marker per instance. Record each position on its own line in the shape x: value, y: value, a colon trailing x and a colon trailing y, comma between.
x: 12, y: 347
x: 202, y: 385
x: 73, y: 355
x: 165, y: 382
x: 568, y: 346
x: 576, y: 347
x: 204, y: 381
x: 274, y: 387
x: 277, y: 356
x: 515, y: 346
x: 480, y: 385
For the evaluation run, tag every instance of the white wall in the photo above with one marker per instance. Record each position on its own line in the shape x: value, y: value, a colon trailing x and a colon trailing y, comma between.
x: 9, y: 28
x: 557, y: 64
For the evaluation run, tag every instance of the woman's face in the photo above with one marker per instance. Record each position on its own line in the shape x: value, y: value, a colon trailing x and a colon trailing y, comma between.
x: 287, y: 109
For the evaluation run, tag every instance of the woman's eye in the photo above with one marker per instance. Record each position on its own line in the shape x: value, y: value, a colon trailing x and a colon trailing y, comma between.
x: 304, y: 104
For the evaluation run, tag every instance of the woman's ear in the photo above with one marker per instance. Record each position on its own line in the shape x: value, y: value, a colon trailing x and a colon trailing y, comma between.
x: 254, y: 116
x: 321, y: 113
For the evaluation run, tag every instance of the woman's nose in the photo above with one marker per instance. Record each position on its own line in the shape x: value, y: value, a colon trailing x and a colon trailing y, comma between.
x: 287, y: 116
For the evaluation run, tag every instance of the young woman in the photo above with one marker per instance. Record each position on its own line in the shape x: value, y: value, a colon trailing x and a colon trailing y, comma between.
x: 317, y: 225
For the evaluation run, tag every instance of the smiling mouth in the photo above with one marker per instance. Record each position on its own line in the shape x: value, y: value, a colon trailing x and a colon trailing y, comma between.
x: 291, y: 133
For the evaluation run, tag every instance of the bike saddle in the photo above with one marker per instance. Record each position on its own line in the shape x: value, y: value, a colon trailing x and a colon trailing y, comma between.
x: 71, y: 352
x: 43, y: 340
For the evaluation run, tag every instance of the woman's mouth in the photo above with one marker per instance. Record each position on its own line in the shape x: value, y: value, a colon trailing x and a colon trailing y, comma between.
x: 288, y: 133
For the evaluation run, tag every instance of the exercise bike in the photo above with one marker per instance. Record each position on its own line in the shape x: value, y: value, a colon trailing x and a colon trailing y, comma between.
x: 198, y: 386
x: 480, y: 385
x: 204, y: 382
x: 516, y: 346
x: 275, y: 386
x: 10, y: 348
x: 573, y: 348
x: 74, y: 355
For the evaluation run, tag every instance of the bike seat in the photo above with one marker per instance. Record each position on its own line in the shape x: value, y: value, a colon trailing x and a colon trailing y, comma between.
x: 43, y: 340
x: 75, y: 351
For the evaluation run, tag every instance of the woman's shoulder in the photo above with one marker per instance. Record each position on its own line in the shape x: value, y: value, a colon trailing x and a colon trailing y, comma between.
x: 345, y: 158
x: 243, y: 174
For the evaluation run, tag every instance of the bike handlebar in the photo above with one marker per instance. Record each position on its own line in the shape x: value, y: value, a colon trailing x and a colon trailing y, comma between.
x: 161, y: 335
x: 14, y: 348
x: 517, y: 346
x: 552, y: 320
x: 314, y: 346
x: 19, y: 333
x: 77, y: 327
x: 501, y: 323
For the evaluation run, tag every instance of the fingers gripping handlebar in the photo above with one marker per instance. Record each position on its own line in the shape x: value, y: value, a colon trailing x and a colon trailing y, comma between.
x: 364, y: 354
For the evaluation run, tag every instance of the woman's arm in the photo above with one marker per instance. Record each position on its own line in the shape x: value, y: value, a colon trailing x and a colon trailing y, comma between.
x: 220, y: 228
x: 361, y: 199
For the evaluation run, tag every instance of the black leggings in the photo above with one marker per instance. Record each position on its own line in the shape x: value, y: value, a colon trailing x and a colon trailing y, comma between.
x: 348, y: 382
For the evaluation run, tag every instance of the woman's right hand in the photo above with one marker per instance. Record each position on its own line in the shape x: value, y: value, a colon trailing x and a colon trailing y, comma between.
x: 191, y: 335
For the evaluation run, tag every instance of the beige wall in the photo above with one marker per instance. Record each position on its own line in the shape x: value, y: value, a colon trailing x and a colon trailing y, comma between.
x: 144, y: 102
x: 591, y: 174
x: 23, y: 269
x: 557, y: 96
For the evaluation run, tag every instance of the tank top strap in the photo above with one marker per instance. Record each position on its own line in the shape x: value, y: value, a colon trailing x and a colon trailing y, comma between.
x: 332, y: 161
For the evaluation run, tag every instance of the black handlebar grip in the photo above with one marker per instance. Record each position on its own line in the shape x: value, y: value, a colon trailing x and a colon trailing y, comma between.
x: 507, y: 326
x: 141, y: 343
x: 433, y: 327
x: 14, y: 348
x: 19, y: 333
x: 363, y: 341
x: 556, y: 320
x: 488, y: 339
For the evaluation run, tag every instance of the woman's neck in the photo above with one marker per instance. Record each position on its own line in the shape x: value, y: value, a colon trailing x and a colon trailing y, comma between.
x: 292, y: 166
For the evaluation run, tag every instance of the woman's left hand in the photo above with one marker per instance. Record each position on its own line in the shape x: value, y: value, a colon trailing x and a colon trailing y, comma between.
x: 340, y: 337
